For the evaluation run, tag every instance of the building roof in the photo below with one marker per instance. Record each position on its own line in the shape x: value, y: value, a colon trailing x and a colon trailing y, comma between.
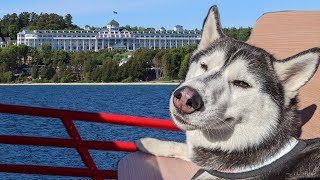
x: 113, y: 23
x: 7, y: 39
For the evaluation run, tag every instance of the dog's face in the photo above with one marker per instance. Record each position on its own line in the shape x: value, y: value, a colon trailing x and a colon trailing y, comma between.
x: 234, y: 83
x: 231, y: 84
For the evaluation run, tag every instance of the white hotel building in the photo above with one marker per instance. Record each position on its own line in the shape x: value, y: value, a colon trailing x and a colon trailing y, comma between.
x: 112, y: 37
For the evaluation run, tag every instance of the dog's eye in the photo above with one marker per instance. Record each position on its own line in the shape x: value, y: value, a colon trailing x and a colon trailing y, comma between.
x: 241, y: 84
x: 204, y: 66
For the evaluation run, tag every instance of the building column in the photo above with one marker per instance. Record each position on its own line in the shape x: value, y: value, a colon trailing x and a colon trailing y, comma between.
x: 176, y: 43
x: 77, y: 45
x: 64, y: 45
x: 96, y: 45
x: 102, y: 43
x: 139, y: 43
x: 127, y: 44
x: 83, y: 45
x: 170, y: 43
x: 133, y: 44
x: 154, y: 43
x: 70, y: 43
x: 108, y: 43
x: 165, y: 43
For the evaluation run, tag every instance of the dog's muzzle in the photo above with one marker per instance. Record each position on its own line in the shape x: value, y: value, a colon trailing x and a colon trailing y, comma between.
x: 187, y: 100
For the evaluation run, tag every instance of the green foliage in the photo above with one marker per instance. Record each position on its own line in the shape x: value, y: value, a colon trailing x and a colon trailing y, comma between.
x: 47, y: 72
x: 11, y: 24
x: 184, y: 67
x: 47, y: 65
x: 136, y: 28
x: 7, y: 77
x: 59, y: 66
x: 34, y: 72
x: 241, y: 34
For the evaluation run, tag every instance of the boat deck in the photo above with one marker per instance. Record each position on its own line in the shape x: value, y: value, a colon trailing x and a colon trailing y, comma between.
x: 282, y: 33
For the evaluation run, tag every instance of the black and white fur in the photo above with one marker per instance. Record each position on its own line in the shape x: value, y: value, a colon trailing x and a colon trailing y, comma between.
x: 249, y: 107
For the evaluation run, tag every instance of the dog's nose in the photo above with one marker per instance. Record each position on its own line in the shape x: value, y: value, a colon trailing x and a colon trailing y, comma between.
x: 187, y: 99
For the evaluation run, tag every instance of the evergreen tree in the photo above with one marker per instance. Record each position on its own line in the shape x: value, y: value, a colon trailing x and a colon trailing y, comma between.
x: 68, y: 21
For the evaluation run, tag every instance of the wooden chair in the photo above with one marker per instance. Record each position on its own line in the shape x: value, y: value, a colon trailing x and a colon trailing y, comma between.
x: 281, y: 33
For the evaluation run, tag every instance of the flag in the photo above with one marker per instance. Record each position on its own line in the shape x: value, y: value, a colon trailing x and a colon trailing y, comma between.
x: 115, y: 12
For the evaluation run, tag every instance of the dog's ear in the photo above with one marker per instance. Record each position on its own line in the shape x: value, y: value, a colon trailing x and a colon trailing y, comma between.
x: 296, y: 71
x: 211, y: 28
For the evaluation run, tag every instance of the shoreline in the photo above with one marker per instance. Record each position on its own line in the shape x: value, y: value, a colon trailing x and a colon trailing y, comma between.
x: 88, y: 84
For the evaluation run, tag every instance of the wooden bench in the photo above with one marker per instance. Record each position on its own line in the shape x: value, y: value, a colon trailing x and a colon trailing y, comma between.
x: 285, y: 34
x: 281, y: 33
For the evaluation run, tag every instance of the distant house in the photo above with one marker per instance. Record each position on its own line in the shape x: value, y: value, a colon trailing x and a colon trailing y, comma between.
x: 109, y: 38
x: 162, y: 29
x: 178, y: 28
x: 87, y: 28
x: 4, y: 41
x: 113, y: 25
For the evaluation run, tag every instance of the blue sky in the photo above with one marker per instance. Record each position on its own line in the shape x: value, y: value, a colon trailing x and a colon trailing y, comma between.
x: 157, y: 13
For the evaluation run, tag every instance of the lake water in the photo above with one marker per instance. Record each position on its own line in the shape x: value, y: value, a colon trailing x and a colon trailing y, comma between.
x: 147, y: 101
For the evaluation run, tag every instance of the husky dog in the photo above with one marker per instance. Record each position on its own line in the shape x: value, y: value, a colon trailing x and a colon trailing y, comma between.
x: 238, y: 108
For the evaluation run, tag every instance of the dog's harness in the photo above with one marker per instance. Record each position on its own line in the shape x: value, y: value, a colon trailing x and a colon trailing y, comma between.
x: 279, y: 160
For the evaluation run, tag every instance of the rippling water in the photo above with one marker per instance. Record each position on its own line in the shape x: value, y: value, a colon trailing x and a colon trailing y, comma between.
x: 147, y: 101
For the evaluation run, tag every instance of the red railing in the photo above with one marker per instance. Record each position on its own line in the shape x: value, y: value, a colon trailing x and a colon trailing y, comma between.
x: 82, y: 146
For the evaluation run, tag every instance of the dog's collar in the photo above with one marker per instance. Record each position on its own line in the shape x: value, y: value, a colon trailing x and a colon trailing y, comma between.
x: 288, y: 152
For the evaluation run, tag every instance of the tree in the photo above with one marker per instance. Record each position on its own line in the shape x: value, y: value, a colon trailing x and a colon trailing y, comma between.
x: 11, y: 24
x: 23, y: 52
x: 184, y: 66
x: 8, y: 76
x: 13, y: 30
x: 23, y: 19
x: 68, y: 21
x: 10, y: 57
x: 89, y: 66
x: 166, y: 60
x: 244, y: 34
x: 241, y: 34
x: 158, y: 63
x: 45, y: 54
x: 60, y: 56
x: 47, y: 72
